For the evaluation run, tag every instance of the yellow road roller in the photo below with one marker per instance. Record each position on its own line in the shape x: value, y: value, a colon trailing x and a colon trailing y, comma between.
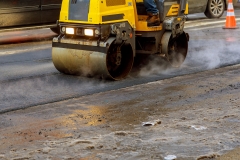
x: 102, y: 37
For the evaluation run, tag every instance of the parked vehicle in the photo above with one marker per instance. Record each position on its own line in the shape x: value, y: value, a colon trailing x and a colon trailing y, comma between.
x: 211, y: 8
x: 21, y: 13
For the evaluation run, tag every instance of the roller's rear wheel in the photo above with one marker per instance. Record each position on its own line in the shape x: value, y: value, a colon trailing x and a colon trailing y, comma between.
x: 175, y: 49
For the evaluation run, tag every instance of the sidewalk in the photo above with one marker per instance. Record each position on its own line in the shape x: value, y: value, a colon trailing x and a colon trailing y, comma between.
x: 30, y: 35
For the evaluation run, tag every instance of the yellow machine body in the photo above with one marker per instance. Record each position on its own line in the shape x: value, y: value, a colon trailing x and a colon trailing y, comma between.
x: 102, y: 37
x: 99, y: 9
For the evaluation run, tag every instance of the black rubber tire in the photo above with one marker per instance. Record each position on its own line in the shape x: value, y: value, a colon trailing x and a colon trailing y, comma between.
x: 215, y: 8
x: 56, y: 30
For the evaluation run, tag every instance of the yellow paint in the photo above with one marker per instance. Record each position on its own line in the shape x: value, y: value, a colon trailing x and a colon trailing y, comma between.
x: 173, y: 11
x: 186, y: 11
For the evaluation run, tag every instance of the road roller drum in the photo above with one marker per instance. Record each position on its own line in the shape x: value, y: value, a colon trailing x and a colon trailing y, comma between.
x: 106, y: 61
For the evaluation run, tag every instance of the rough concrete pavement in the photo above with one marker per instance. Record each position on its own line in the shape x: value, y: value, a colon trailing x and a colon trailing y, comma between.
x: 194, y: 116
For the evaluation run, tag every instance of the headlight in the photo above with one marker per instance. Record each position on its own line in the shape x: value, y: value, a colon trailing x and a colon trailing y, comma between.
x: 88, y: 32
x: 63, y: 29
x: 69, y: 30
x: 97, y: 32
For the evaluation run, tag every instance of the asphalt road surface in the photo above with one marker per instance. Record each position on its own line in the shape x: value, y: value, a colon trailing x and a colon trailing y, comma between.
x: 28, y: 77
x: 194, y: 109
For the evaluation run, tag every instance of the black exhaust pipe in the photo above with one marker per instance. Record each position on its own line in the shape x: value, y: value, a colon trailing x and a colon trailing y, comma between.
x: 182, y: 7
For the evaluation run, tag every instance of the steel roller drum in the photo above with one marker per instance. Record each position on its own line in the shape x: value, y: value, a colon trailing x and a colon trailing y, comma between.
x: 86, y: 62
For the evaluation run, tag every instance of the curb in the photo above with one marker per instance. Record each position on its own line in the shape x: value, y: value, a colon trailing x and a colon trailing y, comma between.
x: 26, y: 36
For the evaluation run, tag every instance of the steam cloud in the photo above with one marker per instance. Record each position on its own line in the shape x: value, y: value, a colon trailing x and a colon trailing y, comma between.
x: 204, y: 53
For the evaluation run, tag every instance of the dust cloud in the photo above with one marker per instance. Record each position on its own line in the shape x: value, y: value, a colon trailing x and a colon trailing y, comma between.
x: 212, y: 54
x: 147, y: 65
x: 204, y: 53
x: 26, y: 92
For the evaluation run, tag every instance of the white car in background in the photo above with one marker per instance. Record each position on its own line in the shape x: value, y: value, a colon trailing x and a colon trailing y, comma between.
x: 211, y: 8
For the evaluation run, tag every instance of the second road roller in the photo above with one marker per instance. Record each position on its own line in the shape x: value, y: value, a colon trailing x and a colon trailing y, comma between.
x: 102, y: 37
